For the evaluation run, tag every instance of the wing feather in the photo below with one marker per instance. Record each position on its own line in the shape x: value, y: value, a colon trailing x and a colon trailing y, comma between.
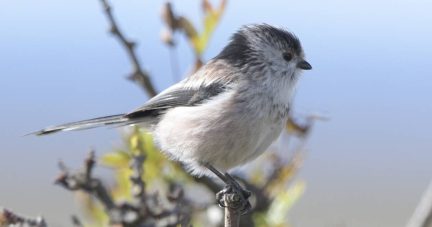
x: 178, y: 96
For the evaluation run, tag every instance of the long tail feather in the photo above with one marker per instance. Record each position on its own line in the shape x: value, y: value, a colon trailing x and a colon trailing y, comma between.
x: 87, y: 124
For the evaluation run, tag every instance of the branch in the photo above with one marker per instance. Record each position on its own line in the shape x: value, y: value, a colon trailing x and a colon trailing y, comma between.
x: 422, y: 216
x: 232, y: 217
x: 7, y: 218
x: 144, y: 210
x: 150, y: 204
x: 83, y: 180
x: 76, y: 222
x: 139, y: 76
x: 262, y: 201
x: 138, y: 185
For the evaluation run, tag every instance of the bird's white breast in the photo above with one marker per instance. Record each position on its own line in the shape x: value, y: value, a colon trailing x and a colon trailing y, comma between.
x: 223, y: 132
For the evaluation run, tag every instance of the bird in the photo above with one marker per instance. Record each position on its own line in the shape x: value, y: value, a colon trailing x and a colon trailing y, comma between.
x: 228, y: 112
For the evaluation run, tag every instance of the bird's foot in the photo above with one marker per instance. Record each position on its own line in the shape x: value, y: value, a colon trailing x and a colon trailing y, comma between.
x: 234, y: 196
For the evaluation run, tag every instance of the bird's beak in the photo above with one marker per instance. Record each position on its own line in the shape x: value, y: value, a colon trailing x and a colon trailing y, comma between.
x: 304, y: 65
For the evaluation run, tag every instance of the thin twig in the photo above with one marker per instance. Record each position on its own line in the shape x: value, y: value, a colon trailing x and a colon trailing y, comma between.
x: 10, y: 219
x: 138, y: 185
x: 83, y: 180
x: 76, y: 222
x: 232, y: 217
x: 422, y: 216
x: 139, y: 76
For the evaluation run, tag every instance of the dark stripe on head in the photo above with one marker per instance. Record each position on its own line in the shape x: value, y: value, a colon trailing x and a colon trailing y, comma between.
x: 237, y: 52
x: 244, y: 45
x: 275, y: 35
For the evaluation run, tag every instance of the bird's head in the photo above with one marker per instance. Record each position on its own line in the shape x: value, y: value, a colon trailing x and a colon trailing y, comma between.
x: 259, y: 48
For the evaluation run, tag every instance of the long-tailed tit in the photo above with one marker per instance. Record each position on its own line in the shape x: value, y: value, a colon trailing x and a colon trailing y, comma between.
x: 228, y: 112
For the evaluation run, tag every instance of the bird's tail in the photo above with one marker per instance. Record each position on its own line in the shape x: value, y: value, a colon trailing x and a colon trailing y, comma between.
x: 119, y: 120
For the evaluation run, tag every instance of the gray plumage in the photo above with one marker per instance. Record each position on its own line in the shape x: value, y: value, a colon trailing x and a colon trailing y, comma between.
x: 228, y: 112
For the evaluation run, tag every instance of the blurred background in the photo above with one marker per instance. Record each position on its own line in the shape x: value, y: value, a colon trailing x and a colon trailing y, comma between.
x: 367, y: 166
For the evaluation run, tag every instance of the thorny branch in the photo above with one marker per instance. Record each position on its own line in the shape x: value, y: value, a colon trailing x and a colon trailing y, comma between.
x: 82, y: 180
x: 7, y: 218
x: 139, y: 76
x: 144, y: 210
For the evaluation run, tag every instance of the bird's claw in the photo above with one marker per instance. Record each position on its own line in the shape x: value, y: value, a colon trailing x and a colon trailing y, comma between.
x: 234, y: 196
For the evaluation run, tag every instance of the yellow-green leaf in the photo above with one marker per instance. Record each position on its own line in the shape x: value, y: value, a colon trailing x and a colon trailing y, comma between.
x: 92, y: 209
x: 123, y: 185
x: 116, y: 159
x: 281, y: 205
x: 211, y: 18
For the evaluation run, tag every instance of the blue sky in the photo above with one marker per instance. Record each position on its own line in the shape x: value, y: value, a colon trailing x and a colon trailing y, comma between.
x: 366, y: 167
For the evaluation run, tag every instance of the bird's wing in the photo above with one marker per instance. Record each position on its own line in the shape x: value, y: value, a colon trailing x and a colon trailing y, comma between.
x: 210, y: 81
x: 176, y: 96
x: 214, y: 78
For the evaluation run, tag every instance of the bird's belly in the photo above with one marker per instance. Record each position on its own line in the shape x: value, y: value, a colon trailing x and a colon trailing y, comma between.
x: 197, y: 135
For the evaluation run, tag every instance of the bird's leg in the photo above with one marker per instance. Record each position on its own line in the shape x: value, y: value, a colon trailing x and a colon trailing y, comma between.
x: 233, y: 195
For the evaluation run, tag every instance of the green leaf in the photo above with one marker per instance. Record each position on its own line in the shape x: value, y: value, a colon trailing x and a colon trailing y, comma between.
x: 92, y: 209
x: 281, y: 205
x: 199, y: 41
x: 116, y: 160
x: 211, y: 18
x: 122, y: 189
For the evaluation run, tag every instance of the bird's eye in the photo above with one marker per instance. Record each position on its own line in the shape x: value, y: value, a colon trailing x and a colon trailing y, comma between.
x: 288, y: 56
